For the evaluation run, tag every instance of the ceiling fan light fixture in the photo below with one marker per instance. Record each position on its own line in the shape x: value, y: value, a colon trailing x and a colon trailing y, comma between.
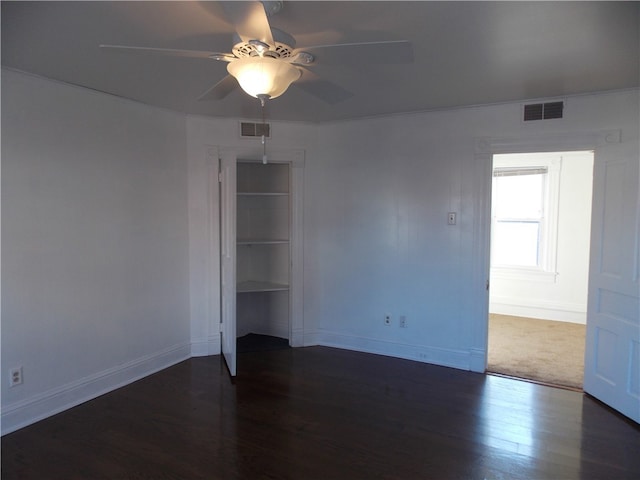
x: 263, y: 77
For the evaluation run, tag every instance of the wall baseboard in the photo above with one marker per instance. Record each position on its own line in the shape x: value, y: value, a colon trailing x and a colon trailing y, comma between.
x: 561, y: 312
x: 205, y: 347
x: 310, y: 339
x: 477, y: 360
x: 297, y: 338
x: 41, y: 406
x: 437, y: 356
x: 274, y: 330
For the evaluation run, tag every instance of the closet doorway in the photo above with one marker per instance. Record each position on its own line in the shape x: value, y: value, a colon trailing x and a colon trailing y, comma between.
x: 261, y: 254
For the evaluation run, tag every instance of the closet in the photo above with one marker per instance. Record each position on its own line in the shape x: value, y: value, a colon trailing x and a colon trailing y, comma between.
x: 263, y: 253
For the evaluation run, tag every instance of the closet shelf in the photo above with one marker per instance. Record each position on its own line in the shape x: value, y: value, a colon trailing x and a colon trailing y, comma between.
x: 261, y: 241
x: 257, y: 286
x: 262, y: 194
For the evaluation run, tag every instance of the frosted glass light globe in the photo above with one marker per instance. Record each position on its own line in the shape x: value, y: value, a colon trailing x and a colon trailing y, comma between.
x: 263, y: 76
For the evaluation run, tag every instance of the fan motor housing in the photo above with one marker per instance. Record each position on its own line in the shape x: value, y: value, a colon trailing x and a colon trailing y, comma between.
x: 284, y: 45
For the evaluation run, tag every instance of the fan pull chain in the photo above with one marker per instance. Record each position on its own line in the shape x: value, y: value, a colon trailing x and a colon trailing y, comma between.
x: 264, y: 129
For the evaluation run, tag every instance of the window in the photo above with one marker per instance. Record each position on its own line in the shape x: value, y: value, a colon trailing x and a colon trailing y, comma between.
x: 519, y: 215
x: 524, y: 215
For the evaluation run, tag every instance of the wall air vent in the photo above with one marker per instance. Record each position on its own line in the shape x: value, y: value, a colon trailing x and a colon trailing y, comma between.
x: 248, y: 129
x: 543, y: 111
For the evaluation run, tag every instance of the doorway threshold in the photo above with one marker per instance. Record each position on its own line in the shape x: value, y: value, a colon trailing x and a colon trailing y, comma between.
x: 537, y: 382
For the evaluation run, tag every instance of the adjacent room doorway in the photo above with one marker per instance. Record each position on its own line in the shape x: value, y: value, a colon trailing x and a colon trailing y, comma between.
x: 540, y: 242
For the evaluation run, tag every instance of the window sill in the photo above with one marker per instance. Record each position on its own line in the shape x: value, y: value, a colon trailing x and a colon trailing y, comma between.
x: 523, y: 274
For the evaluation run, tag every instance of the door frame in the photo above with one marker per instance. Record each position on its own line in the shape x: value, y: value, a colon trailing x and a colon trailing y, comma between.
x: 485, y: 148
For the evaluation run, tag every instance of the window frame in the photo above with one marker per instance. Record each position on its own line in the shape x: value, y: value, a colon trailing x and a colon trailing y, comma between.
x: 546, y: 270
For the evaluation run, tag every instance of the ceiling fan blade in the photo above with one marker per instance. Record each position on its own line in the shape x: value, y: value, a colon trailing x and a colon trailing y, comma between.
x: 250, y: 21
x: 323, y: 89
x: 168, y: 51
x: 220, y: 90
x: 393, y: 52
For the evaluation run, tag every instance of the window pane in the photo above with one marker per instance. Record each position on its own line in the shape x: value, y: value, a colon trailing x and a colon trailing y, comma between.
x: 515, y: 243
x: 518, y: 196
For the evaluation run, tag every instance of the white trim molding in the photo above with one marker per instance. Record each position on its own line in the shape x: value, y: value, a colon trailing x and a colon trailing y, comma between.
x: 445, y: 357
x: 477, y: 362
x: 205, y: 347
x: 546, y: 143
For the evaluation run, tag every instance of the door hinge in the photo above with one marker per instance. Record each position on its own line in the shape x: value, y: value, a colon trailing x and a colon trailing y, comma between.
x: 487, y: 285
x: 220, y: 328
x: 220, y: 177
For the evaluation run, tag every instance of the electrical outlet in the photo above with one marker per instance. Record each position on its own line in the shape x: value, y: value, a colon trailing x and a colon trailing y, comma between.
x: 15, y: 376
x: 403, y: 322
x: 387, y: 319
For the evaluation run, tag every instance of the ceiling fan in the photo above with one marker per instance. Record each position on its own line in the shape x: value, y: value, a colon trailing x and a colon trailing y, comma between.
x: 265, y: 60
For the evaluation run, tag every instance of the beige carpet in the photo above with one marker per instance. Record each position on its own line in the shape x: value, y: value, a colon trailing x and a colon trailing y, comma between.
x: 541, y: 350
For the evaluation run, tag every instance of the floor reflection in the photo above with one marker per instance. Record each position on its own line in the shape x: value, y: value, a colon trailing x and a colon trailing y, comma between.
x: 517, y: 421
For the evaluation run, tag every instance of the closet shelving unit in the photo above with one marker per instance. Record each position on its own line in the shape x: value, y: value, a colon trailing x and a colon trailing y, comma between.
x: 263, y: 248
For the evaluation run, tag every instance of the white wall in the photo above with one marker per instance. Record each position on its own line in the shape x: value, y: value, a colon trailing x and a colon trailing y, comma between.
x: 561, y: 297
x: 94, y: 244
x: 377, y: 239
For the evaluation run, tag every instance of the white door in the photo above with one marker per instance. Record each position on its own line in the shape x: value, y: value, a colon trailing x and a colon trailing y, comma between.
x: 228, y: 260
x: 612, y: 355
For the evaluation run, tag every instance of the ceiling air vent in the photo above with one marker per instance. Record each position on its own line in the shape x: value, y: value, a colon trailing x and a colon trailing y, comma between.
x: 248, y: 129
x: 543, y: 111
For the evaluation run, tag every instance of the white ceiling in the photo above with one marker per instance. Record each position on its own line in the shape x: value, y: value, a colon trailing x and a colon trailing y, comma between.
x: 465, y: 53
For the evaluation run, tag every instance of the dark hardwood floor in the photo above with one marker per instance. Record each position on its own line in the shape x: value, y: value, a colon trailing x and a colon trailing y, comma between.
x: 322, y: 413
